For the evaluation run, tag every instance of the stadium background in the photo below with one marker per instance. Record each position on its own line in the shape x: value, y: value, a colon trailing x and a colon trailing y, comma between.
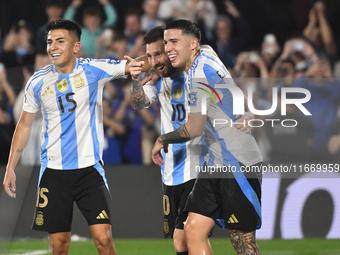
x: 136, y: 190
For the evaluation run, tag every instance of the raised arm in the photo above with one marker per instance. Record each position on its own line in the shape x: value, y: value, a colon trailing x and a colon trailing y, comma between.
x: 19, y: 141
x: 138, y: 98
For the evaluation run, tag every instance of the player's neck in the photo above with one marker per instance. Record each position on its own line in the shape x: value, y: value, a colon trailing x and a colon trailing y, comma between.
x: 177, y: 73
x: 195, y: 53
x: 67, y: 68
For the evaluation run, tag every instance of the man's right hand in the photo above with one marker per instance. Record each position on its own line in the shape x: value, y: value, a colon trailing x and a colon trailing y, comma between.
x: 135, y: 67
x: 9, y: 183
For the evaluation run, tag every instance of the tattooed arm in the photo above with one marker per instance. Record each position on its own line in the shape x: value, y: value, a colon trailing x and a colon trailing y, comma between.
x: 20, y: 138
x: 192, y: 128
x: 138, y: 98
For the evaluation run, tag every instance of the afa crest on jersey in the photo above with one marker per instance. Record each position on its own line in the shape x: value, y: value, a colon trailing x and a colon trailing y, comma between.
x: 178, y: 93
x: 62, y: 85
x: 78, y: 81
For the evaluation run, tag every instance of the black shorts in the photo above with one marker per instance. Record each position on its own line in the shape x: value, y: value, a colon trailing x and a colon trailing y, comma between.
x: 174, y: 200
x: 58, y: 189
x: 236, y: 201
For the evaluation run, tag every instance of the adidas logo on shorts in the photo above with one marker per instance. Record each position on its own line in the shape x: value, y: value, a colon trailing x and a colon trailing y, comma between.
x: 102, y: 215
x: 232, y: 219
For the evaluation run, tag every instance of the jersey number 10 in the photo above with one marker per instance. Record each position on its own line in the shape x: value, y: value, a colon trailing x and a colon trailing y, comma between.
x: 178, y: 110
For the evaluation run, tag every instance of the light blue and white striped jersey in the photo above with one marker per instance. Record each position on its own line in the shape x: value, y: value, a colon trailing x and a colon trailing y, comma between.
x: 227, y: 144
x: 174, y: 113
x: 72, y: 130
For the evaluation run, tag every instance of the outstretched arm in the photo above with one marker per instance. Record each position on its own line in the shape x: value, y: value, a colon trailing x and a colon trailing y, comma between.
x: 20, y: 138
x: 138, y: 98
x: 145, y: 66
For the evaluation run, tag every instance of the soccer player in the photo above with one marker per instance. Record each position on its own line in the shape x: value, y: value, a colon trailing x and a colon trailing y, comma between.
x: 171, y: 94
x: 69, y: 93
x: 234, y: 198
x: 170, y: 91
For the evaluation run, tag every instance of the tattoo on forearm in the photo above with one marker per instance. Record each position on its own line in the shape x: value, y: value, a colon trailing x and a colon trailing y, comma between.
x: 137, y: 95
x: 244, y: 242
x: 180, y: 135
x: 151, y: 72
x: 20, y: 150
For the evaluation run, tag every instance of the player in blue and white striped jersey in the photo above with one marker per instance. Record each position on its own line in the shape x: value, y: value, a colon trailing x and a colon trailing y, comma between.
x: 236, y: 196
x: 69, y: 94
x: 170, y: 92
x: 179, y: 161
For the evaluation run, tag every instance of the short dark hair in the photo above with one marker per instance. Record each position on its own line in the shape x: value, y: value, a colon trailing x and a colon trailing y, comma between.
x: 153, y: 35
x: 92, y: 11
x: 187, y: 26
x: 66, y: 24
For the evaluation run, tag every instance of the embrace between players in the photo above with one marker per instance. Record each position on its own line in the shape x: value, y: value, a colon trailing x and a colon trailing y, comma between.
x: 192, y: 206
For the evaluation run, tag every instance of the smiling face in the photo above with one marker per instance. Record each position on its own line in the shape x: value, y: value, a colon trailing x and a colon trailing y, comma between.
x: 62, y: 47
x: 159, y: 59
x: 179, y: 47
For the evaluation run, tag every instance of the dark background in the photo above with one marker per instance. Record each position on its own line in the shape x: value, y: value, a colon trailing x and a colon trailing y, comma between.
x: 281, y: 17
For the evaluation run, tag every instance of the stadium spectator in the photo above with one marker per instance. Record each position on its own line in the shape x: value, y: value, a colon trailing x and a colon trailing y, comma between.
x: 134, y: 33
x: 18, y: 53
x: 323, y: 105
x: 104, y: 43
x: 289, y: 144
x: 132, y: 150
x: 7, y: 100
x: 150, y: 19
x: 54, y: 10
x: 232, y: 35
x: 300, y: 52
x: 270, y: 50
x: 113, y: 135
x: 92, y: 23
x: 116, y: 48
x: 319, y: 32
x: 334, y: 142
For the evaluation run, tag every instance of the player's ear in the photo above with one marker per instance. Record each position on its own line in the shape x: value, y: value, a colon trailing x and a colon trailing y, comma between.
x: 194, y: 43
x: 76, y: 47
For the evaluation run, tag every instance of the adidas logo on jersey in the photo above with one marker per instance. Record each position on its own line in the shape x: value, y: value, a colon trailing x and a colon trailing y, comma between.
x: 102, y: 215
x: 48, y: 91
x: 232, y: 219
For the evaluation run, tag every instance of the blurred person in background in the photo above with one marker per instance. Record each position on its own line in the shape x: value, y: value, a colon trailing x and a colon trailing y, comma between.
x: 150, y: 17
x: 301, y: 52
x: 136, y: 119
x: 231, y: 35
x: 270, y: 50
x: 92, y: 24
x: 319, y: 32
x: 113, y: 135
x: 289, y: 144
x: 323, y: 105
x: 202, y: 12
x: 7, y: 100
x: 18, y: 53
x: 334, y: 142
x: 54, y: 10
x: 134, y: 33
x: 104, y: 43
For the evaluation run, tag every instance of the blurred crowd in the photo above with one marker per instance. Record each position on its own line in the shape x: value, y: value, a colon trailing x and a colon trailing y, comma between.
x: 306, y: 59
